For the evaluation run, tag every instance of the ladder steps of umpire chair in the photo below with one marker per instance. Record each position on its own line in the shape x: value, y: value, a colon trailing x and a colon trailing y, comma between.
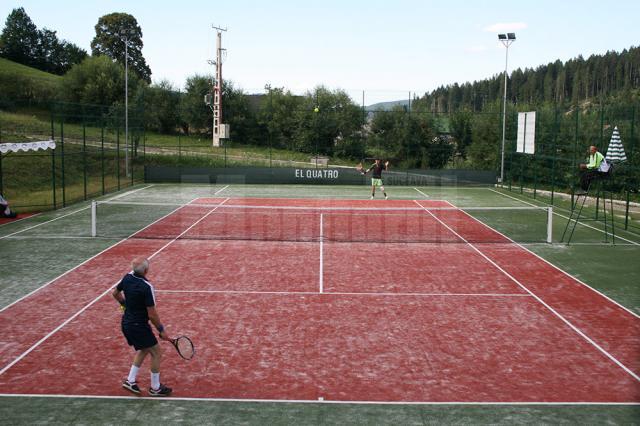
x: 597, y: 188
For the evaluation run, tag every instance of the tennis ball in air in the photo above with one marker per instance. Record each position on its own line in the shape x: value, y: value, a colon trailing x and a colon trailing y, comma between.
x: 316, y: 109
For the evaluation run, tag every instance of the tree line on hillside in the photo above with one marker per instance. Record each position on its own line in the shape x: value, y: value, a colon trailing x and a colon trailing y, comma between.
x: 22, y: 42
x: 563, y: 83
x: 458, y: 125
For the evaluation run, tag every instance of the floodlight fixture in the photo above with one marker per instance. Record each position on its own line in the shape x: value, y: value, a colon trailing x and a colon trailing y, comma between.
x: 502, y: 36
x: 511, y: 36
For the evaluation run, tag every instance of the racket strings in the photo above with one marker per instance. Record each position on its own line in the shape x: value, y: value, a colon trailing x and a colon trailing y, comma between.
x: 184, y: 347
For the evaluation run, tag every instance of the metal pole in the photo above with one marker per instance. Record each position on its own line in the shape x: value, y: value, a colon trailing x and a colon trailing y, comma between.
x: 53, y: 176
x: 549, y: 224
x: 504, y: 112
x: 93, y: 218
x: 102, y: 154
x: 118, y: 157
x: 126, y: 105
x: 269, y: 125
x: 84, y: 157
x: 64, y: 195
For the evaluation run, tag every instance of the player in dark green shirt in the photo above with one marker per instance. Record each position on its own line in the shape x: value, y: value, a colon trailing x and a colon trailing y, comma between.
x: 376, y: 179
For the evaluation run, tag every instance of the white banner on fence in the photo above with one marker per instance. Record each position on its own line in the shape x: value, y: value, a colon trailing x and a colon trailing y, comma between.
x: 526, y: 132
x: 26, y: 146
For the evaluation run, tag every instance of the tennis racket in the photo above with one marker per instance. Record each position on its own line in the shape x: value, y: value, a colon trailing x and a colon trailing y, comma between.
x: 360, y: 169
x: 184, y: 346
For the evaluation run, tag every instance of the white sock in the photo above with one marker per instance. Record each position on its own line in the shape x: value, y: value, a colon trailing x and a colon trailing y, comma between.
x: 155, y: 381
x: 133, y: 373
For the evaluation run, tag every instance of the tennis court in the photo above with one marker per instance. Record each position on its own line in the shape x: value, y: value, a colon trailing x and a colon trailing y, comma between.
x: 411, y: 300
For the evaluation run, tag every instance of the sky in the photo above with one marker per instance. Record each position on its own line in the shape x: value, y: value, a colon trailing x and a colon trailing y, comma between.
x: 391, y: 50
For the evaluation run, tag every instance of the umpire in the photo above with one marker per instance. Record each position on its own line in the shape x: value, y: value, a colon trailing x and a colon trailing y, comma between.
x: 139, y: 306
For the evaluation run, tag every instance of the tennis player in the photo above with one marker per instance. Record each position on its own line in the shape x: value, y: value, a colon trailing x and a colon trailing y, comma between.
x: 376, y: 179
x: 139, y: 306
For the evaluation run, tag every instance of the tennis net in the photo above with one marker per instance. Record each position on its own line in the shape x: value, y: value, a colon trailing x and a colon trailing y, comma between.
x: 321, y: 223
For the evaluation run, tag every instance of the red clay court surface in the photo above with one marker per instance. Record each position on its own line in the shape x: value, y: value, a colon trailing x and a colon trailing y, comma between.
x: 342, y: 321
x: 5, y: 220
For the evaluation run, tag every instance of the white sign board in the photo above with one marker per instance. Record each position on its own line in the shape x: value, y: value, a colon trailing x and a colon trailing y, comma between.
x: 225, y: 131
x: 526, y: 132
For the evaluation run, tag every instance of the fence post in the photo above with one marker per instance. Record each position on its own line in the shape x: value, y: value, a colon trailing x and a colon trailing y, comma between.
x: 633, y: 119
x: 53, y: 176
x: 53, y: 163
x: 522, y: 160
x: 601, y: 147
x: 553, y: 176
x: 626, y: 213
x: 118, y: 157
x: 535, y: 176
x: 84, y: 157
x: 1, y: 184
x: 134, y: 154
x: 64, y: 198
x: 510, y: 170
x: 102, y: 153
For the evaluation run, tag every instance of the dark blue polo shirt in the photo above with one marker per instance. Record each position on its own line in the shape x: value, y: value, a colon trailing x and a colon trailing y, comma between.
x: 138, y: 295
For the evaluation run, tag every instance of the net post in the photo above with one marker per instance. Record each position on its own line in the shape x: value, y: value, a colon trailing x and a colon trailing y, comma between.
x: 93, y: 218
x: 550, y: 224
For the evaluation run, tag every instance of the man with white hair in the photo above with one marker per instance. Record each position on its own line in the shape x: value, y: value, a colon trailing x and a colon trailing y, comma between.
x: 139, y: 304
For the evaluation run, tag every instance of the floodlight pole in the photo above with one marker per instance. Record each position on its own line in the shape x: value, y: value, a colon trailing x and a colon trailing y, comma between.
x: 506, y: 40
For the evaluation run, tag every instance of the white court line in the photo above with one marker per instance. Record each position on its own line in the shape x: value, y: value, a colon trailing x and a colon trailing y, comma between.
x: 44, y: 223
x: 337, y: 293
x: 65, y: 215
x: 315, y: 401
x: 129, y: 193
x: 39, y: 342
x: 18, y: 220
x: 61, y: 237
x: 563, y: 319
x: 565, y: 217
x: 551, y: 264
x: 219, y: 191
x: 80, y: 264
x: 321, y: 253
x: 425, y: 195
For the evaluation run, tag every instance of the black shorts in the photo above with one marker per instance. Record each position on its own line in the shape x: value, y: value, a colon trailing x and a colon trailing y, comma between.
x: 139, y: 336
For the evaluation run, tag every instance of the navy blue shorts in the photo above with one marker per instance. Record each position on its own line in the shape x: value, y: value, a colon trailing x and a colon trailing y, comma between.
x: 139, y: 336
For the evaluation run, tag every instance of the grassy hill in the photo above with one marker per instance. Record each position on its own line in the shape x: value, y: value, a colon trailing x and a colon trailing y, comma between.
x: 25, y: 83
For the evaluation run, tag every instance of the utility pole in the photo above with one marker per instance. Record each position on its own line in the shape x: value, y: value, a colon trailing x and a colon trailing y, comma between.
x: 219, y: 129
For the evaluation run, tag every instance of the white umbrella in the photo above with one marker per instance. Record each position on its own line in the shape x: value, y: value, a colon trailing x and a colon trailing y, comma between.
x: 615, y: 153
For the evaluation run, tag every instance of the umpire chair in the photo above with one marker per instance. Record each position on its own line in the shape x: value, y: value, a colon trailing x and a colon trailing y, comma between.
x: 600, y: 188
